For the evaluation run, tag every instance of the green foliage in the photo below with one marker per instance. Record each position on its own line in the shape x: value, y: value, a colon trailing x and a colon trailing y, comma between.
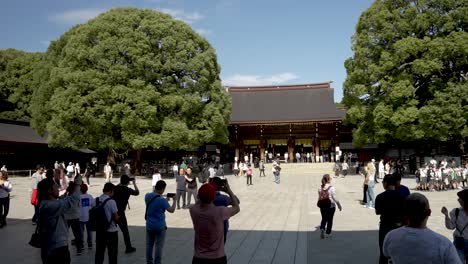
x: 406, y: 79
x: 133, y: 79
x: 18, y: 79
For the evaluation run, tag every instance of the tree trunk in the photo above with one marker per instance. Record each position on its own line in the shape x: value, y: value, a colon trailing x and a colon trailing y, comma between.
x: 136, y: 162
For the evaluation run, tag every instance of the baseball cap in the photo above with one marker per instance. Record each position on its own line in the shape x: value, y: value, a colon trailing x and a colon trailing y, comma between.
x: 207, y: 192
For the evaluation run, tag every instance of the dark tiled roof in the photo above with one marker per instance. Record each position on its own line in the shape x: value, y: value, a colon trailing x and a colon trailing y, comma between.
x: 287, y: 103
x: 19, y: 133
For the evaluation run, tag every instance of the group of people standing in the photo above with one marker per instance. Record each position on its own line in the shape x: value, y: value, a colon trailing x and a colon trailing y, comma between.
x: 245, y: 169
x: 441, y: 176
x: 56, y: 213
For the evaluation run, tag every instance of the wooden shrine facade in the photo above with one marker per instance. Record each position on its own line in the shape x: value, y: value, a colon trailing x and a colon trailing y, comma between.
x: 289, y: 118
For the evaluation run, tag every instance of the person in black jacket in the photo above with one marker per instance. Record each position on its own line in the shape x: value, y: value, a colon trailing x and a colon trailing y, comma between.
x: 121, y: 195
x: 192, y: 186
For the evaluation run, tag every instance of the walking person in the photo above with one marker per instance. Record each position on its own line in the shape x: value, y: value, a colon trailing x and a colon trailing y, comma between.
x: 88, y: 171
x: 175, y: 169
x: 52, y: 224
x: 327, y: 202
x: 121, y: 196
x: 108, y: 172
x: 457, y: 220
x: 389, y: 205
x: 5, y: 189
x: 235, y: 170
x: 208, y: 223
x: 35, y: 179
x: 86, y: 203
x: 370, y: 182
x: 415, y: 242
x: 249, y: 175
x: 276, y: 169
x: 156, y: 177
x: 344, y: 168
x: 107, y: 237
x: 181, y: 190
x: 261, y: 167
x: 192, y: 186
x: 72, y: 216
x: 381, y: 169
x: 155, y: 216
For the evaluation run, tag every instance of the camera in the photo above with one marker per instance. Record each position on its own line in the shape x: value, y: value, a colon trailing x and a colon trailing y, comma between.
x: 170, y: 195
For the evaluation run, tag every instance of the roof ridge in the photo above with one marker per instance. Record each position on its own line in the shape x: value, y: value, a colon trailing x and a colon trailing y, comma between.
x: 323, y: 85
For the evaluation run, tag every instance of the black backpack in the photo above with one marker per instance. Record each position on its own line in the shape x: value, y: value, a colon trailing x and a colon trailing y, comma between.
x: 97, y: 217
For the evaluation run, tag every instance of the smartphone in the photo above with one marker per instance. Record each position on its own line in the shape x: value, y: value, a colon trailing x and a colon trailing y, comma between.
x: 171, y: 195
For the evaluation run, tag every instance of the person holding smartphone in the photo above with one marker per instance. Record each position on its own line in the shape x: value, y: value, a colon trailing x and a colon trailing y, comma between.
x: 156, y: 207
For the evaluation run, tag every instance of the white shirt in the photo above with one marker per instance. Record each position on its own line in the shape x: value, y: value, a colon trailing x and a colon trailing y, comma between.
x: 110, y: 208
x: 344, y: 166
x: 175, y: 168
x: 5, y: 189
x: 381, y: 167
x: 156, y: 178
x: 236, y: 166
x: 419, y: 245
x: 212, y: 172
x: 458, y: 223
x: 246, y: 158
x: 4, y: 169
x: 107, y: 169
x: 70, y: 168
x: 86, y: 203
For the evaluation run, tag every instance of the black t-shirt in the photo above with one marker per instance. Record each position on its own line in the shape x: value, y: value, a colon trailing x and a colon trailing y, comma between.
x: 191, y: 184
x: 121, y: 195
x: 389, y: 205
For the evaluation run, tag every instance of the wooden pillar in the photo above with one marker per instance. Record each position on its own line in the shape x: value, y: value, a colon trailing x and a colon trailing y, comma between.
x: 262, y: 149
x: 291, y: 145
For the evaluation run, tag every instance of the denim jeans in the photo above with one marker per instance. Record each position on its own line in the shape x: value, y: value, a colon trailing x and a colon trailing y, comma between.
x: 277, y: 177
x: 191, y: 192
x: 370, y: 196
x: 327, y: 218
x: 181, y: 194
x: 154, y: 239
x: 89, y: 233
x: 4, y: 209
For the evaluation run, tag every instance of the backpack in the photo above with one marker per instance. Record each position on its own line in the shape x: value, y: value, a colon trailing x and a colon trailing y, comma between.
x: 97, y: 217
x: 324, y: 199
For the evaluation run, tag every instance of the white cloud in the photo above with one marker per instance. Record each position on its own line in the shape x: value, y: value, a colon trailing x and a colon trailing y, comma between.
x: 77, y: 16
x: 245, y: 80
x: 179, y: 14
x: 203, y: 31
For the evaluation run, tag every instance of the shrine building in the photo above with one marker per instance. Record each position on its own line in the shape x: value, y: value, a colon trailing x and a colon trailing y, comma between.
x: 285, y: 118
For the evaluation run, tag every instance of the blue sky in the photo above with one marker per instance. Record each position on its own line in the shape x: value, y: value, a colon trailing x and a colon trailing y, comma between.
x: 258, y: 42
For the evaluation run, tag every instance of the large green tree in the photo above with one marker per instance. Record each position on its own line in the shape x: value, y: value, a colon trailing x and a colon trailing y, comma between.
x: 16, y: 75
x: 407, y: 80
x: 132, y: 79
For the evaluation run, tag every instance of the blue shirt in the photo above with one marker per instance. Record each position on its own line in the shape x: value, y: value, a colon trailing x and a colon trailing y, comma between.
x: 156, y: 213
x: 403, y: 191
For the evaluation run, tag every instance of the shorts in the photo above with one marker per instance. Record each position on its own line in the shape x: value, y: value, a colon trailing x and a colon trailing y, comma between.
x: 423, y: 180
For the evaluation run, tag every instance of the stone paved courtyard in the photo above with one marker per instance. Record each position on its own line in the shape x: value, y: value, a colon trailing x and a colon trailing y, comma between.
x: 277, y: 223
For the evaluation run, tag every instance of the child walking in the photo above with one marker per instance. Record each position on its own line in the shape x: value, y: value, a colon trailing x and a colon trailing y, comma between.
x: 86, y: 203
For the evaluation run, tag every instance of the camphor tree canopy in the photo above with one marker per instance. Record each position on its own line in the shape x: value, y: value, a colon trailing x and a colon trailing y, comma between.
x: 132, y: 79
x: 408, y: 77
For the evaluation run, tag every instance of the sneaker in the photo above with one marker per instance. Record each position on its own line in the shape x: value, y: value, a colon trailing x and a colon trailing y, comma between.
x: 365, y: 206
x: 322, y: 234
x: 328, y: 235
x: 371, y: 207
x: 130, y: 250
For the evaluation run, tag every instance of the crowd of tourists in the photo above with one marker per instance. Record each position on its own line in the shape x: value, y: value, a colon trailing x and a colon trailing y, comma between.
x: 59, y: 207
x: 441, y: 176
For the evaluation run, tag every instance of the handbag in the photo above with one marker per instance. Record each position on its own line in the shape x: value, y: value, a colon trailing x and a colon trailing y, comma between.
x: 34, y: 200
x: 35, y: 240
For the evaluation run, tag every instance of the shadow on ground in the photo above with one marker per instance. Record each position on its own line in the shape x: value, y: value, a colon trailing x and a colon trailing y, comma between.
x: 242, y: 247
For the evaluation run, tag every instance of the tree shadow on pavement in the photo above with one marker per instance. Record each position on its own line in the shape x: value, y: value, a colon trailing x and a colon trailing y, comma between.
x: 242, y: 247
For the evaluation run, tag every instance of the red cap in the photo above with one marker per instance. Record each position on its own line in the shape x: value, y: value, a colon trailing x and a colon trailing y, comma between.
x: 207, y: 192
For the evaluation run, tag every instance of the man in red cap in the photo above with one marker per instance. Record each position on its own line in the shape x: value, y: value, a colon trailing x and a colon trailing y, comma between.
x: 208, y: 223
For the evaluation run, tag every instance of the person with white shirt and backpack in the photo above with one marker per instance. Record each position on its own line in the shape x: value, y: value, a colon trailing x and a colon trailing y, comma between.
x: 327, y: 202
